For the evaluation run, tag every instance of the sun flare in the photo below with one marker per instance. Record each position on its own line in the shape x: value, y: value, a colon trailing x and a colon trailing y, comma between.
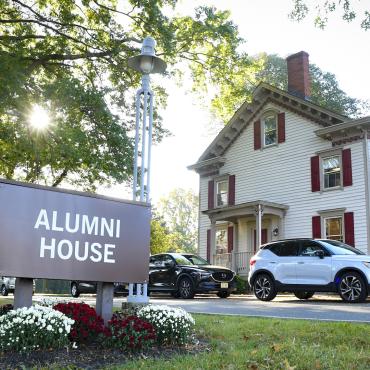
x: 39, y: 118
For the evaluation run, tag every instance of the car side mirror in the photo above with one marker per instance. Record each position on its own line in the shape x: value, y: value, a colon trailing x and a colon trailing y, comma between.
x: 320, y: 254
x: 169, y: 264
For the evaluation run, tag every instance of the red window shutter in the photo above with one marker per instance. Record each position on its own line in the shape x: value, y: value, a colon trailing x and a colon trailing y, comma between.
x: 349, y: 228
x: 281, y: 127
x: 211, y: 194
x: 231, y: 194
x: 209, y: 245
x: 315, y: 173
x: 347, y: 167
x: 316, y: 227
x: 257, y: 135
x: 230, y: 239
x: 263, y: 236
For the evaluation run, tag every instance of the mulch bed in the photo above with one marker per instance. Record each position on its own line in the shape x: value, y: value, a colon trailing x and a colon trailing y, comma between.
x: 93, y: 357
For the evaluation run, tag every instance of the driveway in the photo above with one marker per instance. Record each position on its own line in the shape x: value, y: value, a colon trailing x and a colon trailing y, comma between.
x: 320, y: 307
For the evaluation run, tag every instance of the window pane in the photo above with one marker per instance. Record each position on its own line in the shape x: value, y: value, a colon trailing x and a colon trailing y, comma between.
x: 333, y: 228
x: 332, y: 171
x: 270, y: 130
x: 308, y: 249
x: 221, y: 241
x: 222, y: 193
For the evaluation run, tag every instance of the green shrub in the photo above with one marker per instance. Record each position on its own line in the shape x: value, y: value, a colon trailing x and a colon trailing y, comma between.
x: 242, y: 286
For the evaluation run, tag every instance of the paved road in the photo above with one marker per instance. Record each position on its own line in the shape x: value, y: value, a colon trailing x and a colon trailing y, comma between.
x: 320, y: 307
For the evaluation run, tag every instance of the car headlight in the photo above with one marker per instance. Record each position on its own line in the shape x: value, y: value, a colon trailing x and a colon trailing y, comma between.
x: 205, y: 275
x: 367, y: 264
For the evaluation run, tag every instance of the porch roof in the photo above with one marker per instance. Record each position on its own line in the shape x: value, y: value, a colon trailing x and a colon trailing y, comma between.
x: 231, y: 213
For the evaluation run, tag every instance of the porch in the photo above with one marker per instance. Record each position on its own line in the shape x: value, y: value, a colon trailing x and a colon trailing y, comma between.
x: 237, y: 232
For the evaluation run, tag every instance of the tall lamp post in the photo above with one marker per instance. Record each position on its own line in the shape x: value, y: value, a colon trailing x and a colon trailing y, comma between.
x: 145, y: 63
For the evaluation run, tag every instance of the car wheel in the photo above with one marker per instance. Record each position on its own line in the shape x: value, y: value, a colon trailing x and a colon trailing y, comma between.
x: 352, y: 288
x: 223, y: 294
x: 175, y: 294
x: 186, y: 288
x: 74, y: 291
x: 4, y: 291
x: 304, y: 295
x: 264, y: 287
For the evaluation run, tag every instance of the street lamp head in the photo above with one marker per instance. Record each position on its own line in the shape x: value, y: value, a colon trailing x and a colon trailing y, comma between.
x: 147, y: 62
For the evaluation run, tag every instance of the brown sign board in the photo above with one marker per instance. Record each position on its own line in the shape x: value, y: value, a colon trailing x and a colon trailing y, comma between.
x: 61, y: 234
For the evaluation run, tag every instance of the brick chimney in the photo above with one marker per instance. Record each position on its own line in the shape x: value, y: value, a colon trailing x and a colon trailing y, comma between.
x: 298, y: 75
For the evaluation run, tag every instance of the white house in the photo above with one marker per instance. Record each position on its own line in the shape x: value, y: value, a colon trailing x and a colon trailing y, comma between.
x: 283, y: 167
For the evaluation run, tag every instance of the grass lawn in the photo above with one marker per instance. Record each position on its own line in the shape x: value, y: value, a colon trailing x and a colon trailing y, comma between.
x: 5, y: 300
x: 255, y: 343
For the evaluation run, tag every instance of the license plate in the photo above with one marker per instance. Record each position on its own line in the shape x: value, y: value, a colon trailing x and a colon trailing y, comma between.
x: 224, y: 285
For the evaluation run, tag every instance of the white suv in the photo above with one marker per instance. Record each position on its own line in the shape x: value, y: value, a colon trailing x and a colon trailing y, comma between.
x: 306, y: 266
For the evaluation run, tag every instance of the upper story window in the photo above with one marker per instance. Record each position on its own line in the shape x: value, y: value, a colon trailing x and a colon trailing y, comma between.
x: 331, y: 171
x: 222, y: 190
x: 269, y: 124
x: 334, y: 228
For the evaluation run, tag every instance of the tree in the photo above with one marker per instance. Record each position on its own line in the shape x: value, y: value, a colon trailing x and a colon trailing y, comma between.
x: 179, y: 210
x: 272, y: 69
x: 324, y: 9
x: 70, y: 56
x: 160, y: 238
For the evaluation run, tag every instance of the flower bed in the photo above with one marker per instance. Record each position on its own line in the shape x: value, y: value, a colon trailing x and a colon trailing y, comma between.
x: 37, y: 327
x: 172, y: 324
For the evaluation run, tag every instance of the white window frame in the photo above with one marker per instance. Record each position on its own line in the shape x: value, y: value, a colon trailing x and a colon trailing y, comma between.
x: 217, y: 182
x: 329, y: 154
x: 341, y: 216
x: 264, y: 117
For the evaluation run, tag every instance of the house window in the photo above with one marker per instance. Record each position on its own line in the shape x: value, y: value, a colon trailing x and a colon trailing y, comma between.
x: 331, y: 171
x: 221, y: 241
x: 222, y: 189
x: 269, y: 124
x: 334, y: 228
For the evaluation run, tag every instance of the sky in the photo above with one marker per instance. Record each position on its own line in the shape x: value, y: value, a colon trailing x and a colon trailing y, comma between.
x: 342, y: 49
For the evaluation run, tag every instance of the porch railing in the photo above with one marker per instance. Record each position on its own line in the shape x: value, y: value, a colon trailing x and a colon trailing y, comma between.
x: 238, y: 261
x: 224, y: 259
x: 242, y: 262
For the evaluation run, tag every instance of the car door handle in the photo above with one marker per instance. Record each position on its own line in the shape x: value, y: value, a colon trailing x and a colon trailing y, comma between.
x: 300, y: 263
x: 273, y: 262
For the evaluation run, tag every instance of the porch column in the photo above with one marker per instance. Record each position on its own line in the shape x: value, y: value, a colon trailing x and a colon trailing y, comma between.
x: 235, y: 247
x: 282, y: 227
x: 213, y: 240
x: 259, y: 213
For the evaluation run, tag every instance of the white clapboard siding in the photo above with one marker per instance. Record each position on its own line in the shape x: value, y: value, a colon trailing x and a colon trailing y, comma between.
x: 282, y: 174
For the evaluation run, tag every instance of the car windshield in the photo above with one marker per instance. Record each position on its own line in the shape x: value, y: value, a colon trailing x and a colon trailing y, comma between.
x: 181, y: 260
x: 339, y: 248
x: 196, y: 260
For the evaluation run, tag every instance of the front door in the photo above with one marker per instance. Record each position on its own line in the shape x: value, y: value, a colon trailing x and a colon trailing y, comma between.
x: 263, y: 239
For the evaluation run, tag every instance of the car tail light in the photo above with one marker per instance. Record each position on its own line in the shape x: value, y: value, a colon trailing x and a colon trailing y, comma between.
x: 252, y: 261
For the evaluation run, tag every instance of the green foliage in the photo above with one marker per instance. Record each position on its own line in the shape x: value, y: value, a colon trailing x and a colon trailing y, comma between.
x: 179, y: 211
x: 242, y: 286
x: 70, y: 57
x: 161, y: 240
x: 272, y: 69
x: 323, y: 10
